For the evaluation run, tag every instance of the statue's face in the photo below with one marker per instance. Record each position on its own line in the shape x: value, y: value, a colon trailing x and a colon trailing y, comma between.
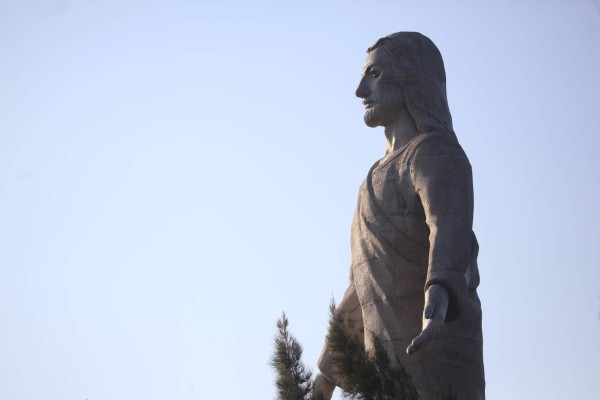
x: 380, y: 91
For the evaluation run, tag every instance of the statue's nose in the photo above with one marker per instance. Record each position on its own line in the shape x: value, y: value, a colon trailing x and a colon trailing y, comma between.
x: 362, y: 90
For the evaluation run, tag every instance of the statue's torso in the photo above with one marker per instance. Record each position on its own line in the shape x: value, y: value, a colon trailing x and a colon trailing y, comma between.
x: 390, y: 257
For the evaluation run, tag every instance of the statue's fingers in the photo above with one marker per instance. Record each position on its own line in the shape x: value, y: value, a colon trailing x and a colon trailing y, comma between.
x: 427, y: 334
x: 429, y: 309
x: 421, y: 340
x: 417, y: 343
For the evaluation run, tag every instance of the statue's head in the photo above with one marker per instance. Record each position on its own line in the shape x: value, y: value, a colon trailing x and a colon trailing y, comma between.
x: 405, y: 70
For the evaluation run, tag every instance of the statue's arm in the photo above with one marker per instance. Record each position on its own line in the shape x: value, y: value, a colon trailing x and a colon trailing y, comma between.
x: 348, y: 308
x: 443, y: 181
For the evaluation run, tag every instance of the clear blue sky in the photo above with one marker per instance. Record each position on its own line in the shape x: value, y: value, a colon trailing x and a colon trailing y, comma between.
x: 174, y: 174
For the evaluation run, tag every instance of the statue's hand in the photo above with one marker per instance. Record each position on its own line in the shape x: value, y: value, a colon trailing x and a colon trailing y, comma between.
x: 434, y: 313
x: 322, y: 387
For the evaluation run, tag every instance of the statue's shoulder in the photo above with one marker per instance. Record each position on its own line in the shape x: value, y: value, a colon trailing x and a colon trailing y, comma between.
x: 432, y: 144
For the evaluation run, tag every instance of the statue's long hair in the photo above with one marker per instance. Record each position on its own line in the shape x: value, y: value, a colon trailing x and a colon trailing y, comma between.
x: 419, y: 69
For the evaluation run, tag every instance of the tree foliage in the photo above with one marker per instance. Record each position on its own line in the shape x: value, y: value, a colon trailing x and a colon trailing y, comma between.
x: 293, y: 378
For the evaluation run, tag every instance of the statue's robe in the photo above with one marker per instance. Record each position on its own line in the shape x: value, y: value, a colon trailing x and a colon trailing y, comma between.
x: 412, y: 229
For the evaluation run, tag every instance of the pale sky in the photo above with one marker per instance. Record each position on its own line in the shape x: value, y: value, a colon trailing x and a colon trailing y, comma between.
x: 175, y: 174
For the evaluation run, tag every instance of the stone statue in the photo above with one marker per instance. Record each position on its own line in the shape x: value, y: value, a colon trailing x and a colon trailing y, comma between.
x: 414, y: 275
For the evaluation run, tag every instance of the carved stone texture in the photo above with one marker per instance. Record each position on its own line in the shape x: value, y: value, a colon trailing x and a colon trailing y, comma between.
x: 414, y: 274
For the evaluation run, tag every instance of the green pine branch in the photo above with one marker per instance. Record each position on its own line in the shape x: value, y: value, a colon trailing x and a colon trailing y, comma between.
x: 293, y: 380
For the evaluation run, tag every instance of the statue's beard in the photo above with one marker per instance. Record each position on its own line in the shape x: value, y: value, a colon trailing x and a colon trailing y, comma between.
x: 384, y: 109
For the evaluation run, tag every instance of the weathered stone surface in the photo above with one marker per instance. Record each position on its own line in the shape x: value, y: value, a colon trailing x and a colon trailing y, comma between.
x: 414, y: 274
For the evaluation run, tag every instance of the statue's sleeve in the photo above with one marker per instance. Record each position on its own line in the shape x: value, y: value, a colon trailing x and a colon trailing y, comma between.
x: 441, y: 174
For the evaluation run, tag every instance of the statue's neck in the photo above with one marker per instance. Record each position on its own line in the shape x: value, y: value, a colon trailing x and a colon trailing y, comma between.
x: 401, y: 131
